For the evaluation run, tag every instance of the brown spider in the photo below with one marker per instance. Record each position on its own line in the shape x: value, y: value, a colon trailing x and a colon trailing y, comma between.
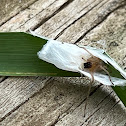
x: 92, y: 65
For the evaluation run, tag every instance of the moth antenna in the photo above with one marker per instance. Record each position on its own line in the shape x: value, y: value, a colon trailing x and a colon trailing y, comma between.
x: 107, y: 73
x: 88, y: 93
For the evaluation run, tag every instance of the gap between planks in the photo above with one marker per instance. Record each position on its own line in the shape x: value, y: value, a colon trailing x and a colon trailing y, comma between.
x: 16, y: 13
x: 91, y: 29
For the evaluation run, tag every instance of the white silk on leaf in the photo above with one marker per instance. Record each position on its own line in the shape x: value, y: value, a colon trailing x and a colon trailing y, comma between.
x: 100, y: 54
x: 104, y: 79
x: 63, y: 55
x: 70, y: 57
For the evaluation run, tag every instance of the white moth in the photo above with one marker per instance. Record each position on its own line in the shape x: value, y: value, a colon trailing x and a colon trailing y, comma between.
x: 71, y: 57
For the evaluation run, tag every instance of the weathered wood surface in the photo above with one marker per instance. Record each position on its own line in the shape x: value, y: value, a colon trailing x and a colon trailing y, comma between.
x: 45, y: 101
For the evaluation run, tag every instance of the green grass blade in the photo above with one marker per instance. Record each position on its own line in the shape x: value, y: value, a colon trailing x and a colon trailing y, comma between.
x: 18, y: 57
x: 120, y: 91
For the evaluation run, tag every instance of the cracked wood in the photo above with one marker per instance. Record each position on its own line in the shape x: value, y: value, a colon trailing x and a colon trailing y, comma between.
x: 24, y: 101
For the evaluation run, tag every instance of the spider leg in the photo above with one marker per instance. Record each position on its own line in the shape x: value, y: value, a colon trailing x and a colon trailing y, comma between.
x: 87, y: 51
x: 88, y: 93
x: 107, y: 73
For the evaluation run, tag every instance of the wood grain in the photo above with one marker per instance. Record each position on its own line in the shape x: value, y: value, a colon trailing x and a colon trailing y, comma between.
x: 35, y: 101
x: 10, y: 8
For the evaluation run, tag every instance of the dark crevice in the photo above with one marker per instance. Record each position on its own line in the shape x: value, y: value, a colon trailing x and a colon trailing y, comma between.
x: 91, y: 93
x: 95, y: 90
x: 101, y: 20
x: 100, y: 108
x: 84, y: 101
x: 44, y: 20
x: 56, y: 120
x: 35, y: 16
x: 17, y: 107
x: 114, y: 105
x: 38, y: 92
x: 9, y: 113
x: 75, y: 21
x: 92, y: 114
x: 77, y: 105
x: 3, y: 79
x: 61, y: 114
x: 23, y: 8
x: 106, y: 114
x: 104, y: 98
x: 47, y: 18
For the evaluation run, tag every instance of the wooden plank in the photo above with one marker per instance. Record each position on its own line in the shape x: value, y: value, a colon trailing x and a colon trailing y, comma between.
x: 36, y: 14
x: 16, y: 90
x: 113, y: 32
x: 62, y: 103
x: 10, y: 8
x: 67, y: 17
x: 90, y: 20
x: 101, y: 106
x: 8, y: 103
x: 77, y: 27
x: 108, y: 105
x: 50, y: 102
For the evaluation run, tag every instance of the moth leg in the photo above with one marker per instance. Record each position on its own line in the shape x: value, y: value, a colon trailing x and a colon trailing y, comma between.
x: 107, y: 73
x: 88, y: 93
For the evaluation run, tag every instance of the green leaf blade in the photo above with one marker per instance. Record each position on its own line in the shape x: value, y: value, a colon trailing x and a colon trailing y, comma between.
x: 18, y: 57
x: 121, y: 92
